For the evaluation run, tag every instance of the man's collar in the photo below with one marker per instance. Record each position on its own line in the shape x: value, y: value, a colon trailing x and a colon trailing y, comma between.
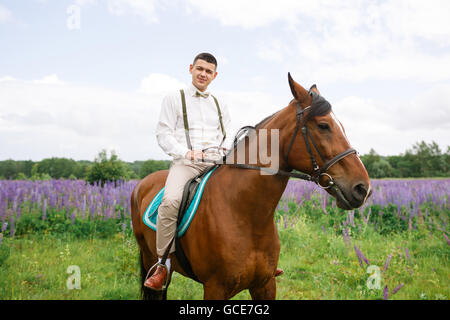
x: 196, y: 92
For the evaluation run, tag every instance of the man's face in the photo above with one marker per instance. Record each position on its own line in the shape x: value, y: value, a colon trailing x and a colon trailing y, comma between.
x: 202, y: 74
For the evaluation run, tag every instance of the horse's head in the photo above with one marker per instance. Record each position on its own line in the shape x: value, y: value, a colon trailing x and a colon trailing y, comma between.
x: 315, y: 142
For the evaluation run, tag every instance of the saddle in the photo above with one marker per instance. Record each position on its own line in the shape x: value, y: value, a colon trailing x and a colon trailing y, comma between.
x: 190, y: 190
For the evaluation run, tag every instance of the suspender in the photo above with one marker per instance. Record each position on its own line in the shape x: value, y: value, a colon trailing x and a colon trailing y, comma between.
x: 220, y: 119
x: 185, y: 120
x: 186, y: 124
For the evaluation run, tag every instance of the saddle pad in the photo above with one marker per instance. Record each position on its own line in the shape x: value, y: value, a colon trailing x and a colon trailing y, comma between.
x: 151, y: 213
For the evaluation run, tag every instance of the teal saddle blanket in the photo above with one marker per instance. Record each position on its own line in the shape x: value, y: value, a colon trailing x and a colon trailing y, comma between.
x: 151, y: 213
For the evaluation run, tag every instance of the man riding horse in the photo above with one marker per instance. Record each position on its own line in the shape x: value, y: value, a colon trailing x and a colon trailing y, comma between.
x: 190, y: 121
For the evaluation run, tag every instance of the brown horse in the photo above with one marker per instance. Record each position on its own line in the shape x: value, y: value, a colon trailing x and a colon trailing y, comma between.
x: 232, y: 242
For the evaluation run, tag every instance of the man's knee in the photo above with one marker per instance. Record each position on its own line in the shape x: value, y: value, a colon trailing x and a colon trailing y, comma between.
x: 170, y: 203
x: 168, y: 210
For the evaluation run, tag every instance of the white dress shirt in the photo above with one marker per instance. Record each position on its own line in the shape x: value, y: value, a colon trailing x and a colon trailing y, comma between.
x: 203, y: 120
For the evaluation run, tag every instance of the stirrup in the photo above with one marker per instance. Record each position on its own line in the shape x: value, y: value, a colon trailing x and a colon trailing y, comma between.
x: 157, y: 264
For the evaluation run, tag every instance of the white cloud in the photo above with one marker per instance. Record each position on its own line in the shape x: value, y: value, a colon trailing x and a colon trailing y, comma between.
x: 143, y: 8
x: 351, y: 41
x: 160, y: 84
x: 6, y: 78
x: 247, y: 14
x: 5, y: 14
x: 391, y: 128
x: 46, y: 118
x: 428, y: 20
x: 43, y: 118
x: 50, y: 79
x: 50, y: 117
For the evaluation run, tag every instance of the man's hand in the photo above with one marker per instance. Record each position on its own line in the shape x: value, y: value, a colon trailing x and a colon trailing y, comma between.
x: 194, y: 155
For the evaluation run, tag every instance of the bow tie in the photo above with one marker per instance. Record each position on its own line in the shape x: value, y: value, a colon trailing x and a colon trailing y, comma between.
x: 199, y: 94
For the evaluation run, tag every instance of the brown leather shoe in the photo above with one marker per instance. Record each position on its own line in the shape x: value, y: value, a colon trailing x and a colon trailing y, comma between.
x: 157, y: 280
x: 279, y: 272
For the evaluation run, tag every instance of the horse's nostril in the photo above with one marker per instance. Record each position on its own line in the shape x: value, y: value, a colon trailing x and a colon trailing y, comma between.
x: 360, y: 191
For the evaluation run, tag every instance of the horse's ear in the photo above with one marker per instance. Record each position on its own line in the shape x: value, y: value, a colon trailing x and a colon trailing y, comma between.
x: 299, y: 93
x: 314, y: 89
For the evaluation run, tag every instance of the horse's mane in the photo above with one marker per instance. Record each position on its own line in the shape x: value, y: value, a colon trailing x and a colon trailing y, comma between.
x: 319, y: 107
x: 266, y: 119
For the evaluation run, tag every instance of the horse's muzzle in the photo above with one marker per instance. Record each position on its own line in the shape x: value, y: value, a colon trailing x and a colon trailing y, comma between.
x: 351, y: 199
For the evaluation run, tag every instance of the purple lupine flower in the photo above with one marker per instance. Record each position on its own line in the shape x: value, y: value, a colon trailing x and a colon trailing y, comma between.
x: 124, y: 228
x: 346, y: 236
x: 109, y: 213
x: 409, y: 270
x: 446, y: 238
x: 92, y: 209
x: 324, y: 205
x: 12, y: 229
x: 397, y: 288
x: 44, y: 210
x: 407, y: 254
x: 324, y: 230
x: 386, y: 264
x: 4, y: 226
x: 351, y: 215
x: 72, y: 216
x: 19, y: 211
x: 1, y: 238
x: 83, y: 207
x: 361, y: 256
x: 358, y: 254
x: 385, y: 293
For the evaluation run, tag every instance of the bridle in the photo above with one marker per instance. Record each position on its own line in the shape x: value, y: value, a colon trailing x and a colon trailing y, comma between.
x: 318, y: 172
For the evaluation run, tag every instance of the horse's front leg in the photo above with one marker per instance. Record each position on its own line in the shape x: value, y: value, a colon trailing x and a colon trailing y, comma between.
x: 213, y: 290
x: 266, y: 292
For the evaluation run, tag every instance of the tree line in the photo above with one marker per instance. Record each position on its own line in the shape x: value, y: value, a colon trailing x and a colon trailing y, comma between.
x: 103, y: 168
x: 422, y: 160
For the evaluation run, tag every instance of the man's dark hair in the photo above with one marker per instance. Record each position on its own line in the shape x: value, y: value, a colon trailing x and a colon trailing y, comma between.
x: 208, y: 57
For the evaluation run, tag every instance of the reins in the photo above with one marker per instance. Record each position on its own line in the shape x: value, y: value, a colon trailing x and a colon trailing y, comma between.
x: 318, y: 172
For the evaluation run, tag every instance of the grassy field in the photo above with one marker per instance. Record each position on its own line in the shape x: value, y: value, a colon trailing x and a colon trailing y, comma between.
x: 318, y: 263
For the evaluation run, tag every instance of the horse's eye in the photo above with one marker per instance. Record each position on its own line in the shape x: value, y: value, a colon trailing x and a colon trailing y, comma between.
x: 324, y: 126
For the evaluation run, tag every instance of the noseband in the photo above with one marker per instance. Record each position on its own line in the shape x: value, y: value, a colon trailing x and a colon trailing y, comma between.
x: 317, y: 171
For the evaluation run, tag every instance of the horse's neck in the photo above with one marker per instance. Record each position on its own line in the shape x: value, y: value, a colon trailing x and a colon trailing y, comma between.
x: 257, y: 195
x: 258, y: 192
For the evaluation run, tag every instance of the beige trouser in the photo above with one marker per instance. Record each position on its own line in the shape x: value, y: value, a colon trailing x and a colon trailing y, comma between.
x: 180, y: 172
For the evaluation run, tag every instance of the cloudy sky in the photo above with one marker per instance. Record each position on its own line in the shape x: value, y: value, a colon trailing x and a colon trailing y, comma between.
x: 80, y: 76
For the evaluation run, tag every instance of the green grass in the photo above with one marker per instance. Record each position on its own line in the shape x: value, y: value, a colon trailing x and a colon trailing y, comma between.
x: 317, y: 265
